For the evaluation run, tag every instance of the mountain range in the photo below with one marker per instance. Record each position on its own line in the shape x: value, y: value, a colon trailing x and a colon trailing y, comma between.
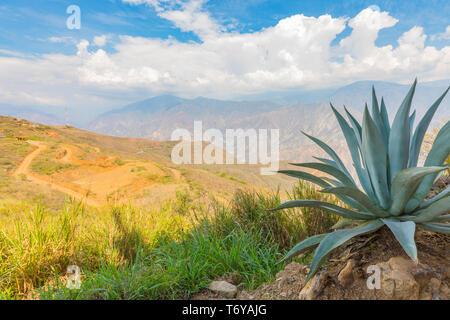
x: 156, y: 118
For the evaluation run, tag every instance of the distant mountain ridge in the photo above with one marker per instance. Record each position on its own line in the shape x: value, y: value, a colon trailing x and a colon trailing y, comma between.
x: 30, y: 114
x: 357, y: 94
x: 156, y: 118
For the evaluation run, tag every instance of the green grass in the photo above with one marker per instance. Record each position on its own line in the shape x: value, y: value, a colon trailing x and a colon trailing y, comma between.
x: 49, y: 167
x: 128, y: 253
x: 119, y: 162
x: 226, y: 176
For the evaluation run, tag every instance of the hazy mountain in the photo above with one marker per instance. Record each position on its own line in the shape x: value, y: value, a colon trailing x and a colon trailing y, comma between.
x: 30, y: 114
x: 156, y: 118
x: 359, y: 93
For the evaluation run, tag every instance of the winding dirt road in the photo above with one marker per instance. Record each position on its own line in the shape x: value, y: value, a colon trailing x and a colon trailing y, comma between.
x: 24, y: 169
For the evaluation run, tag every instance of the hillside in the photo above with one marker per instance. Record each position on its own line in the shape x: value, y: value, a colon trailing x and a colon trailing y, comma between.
x: 157, y: 118
x: 53, y: 162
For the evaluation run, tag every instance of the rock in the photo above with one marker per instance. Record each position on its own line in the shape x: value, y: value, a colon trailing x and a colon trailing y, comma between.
x: 422, y: 275
x: 445, y: 292
x: 223, y: 288
x: 314, y: 287
x: 397, y: 281
x: 432, y: 290
x: 345, y: 277
x: 435, y: 285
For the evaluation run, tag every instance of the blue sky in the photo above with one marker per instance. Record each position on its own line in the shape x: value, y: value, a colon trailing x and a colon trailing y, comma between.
x: 26, y: 24
x: 127, y: 50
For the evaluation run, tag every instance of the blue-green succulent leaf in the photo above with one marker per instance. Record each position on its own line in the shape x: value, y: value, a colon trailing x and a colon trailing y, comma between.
x: 305, y: 176
x: 438, y: 208
x: 404, y: 185
x: 376, y: 116
x: 421, y: 129
x: 437, y: 155
x: 443, y: 218
x: 385, y: 117
x: 411, y: 122
x: 337, y: 238
x: 404, y: 233
x: 327, y: 161
x: 344, y: 222
x: 375, y: 157
x: 360, y: 197
x: 357, y: 129
x: 346, y: 213
x: 330, y: 152
x: 350, y: 138
x: 305, y: 244
x: 441, y: 195
x: 338, y: 174
x: 436, y: 227
x: 399, y: 138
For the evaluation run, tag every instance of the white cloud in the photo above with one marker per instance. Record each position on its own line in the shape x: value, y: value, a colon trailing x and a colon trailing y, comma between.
x: 295, y: 53
x: 100, y: 41
x: 185, y: 15
x: 68, y: 40
x: 442, y: 36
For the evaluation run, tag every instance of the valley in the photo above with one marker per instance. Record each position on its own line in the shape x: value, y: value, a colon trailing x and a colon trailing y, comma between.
x: 99, y: 170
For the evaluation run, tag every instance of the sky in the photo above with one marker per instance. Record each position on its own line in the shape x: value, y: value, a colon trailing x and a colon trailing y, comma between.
x: 128, y: 50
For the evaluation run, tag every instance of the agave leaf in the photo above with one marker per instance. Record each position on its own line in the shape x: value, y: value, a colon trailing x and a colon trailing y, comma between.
x: 385, y: 117
x: 435, y: 210
x: 366, y: 183
x: 364, y: 178
x: 338, y: 237
x: 435, y: 198
x: 305, y: 176
x: 353, y: 144
x: 405, y: 184
x: 400, y: 135
x: 357, y: 129
x: 346, y: 213
x: 421, y: 129
x: 411, y: 122
x: 327, y: 161
x: 443, y: 218
x: 338, y: 174
x: 350, y: 137
x: 333, y: 182
x: 358, y: 196
x: 404, y: 233
x: 305, y: 244
x: 437, y: 155
x: 344, y: 222
x: 436, y: 227
x: 375, y: 156
x: 330, y: 152
x: 376, y: 116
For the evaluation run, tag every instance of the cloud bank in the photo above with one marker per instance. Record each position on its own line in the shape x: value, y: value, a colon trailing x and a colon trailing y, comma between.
x: 298, y: 52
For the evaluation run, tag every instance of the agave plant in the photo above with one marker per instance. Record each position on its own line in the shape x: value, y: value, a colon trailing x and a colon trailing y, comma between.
x: 393, y: 187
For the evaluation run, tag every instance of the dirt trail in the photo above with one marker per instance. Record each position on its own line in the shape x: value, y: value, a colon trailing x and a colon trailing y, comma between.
x: 24, y: 168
